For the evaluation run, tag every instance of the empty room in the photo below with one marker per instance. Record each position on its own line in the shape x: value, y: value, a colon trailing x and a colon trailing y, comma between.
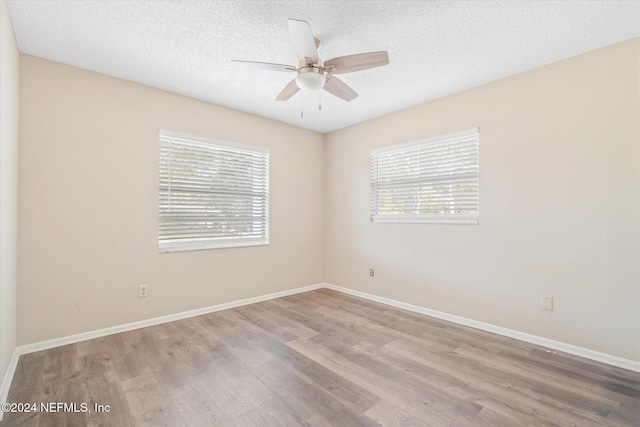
x: 319, y: 213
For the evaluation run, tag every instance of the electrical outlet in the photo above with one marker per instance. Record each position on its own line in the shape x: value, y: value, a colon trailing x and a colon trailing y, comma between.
x: 143, y: 291
x: 546, y: 302
x: 371, y: 272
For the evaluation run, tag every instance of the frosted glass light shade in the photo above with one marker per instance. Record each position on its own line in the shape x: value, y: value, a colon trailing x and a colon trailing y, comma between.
x: 310, y: 81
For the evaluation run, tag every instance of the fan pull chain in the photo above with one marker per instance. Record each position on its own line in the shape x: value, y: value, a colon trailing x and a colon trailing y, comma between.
x: 302, y: 104
x: 320, y: 100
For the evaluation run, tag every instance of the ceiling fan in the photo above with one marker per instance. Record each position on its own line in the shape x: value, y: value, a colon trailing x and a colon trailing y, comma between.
x: 314, y: 74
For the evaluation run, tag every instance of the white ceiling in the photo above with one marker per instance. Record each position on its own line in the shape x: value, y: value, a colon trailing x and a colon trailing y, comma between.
x: 436, y: 48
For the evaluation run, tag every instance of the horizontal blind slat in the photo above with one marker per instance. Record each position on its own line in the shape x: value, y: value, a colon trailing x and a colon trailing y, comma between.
x: 212, y: 195
x: 433, y: 179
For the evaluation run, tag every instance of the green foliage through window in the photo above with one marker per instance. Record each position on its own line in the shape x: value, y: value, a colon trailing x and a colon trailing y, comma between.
x: 212, y: 194
x: 434, y: 180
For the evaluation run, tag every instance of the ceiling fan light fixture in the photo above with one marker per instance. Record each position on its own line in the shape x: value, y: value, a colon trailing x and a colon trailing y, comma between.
x: 314, y: 74
x: 310, y: 78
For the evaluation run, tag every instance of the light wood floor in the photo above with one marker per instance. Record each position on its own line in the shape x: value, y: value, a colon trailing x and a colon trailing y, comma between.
x: 321, y: 358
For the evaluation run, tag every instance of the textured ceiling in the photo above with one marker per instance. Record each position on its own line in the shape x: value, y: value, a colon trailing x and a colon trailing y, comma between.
x: 436, y: 48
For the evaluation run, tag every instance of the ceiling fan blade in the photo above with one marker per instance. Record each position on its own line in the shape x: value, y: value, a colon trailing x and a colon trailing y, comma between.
x: 288, y: 91
x: 265, y: 65
x: 302, y: 39
x: 337, y: 87
x: 357, y: 62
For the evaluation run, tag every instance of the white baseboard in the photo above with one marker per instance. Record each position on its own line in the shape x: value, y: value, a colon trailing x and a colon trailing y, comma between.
x: 8, y: 378
x: 71, y: 339
x: 533, y: 339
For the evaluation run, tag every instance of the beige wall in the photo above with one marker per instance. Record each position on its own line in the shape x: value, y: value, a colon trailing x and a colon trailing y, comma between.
x: 89, y: 205
x: 9, y: 72
x: 559, y: 206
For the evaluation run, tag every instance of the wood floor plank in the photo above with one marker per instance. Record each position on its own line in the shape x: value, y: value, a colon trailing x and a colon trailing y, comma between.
x: 321, y: 358
x: 148, y: 403
x: 268, y: 316
x: 384, y: 383
x: 196, y: 409
x: 385, y: 414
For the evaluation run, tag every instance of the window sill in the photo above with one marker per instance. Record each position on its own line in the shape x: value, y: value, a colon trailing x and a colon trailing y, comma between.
x: 422, y: 219
x: 201, y: 246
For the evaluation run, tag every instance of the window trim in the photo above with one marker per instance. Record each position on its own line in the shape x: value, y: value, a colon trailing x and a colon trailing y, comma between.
x: 424, y: 218
x: 231, y: 242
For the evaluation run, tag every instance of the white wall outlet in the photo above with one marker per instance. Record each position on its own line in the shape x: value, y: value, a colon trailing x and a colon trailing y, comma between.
x: 143, y: 291
x: 371, y: 272
x: 546, y: 302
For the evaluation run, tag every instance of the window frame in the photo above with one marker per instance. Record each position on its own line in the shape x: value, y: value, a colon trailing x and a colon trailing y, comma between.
x: 178, y: 245
x: 374, y: 208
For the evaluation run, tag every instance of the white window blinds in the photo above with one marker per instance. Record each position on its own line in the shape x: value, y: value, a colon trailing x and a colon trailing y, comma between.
x: 213, y: 194
x: 432, y: 180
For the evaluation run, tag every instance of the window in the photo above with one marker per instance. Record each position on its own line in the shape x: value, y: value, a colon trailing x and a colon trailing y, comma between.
x: 433, y: 180
x: 213, y: 194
